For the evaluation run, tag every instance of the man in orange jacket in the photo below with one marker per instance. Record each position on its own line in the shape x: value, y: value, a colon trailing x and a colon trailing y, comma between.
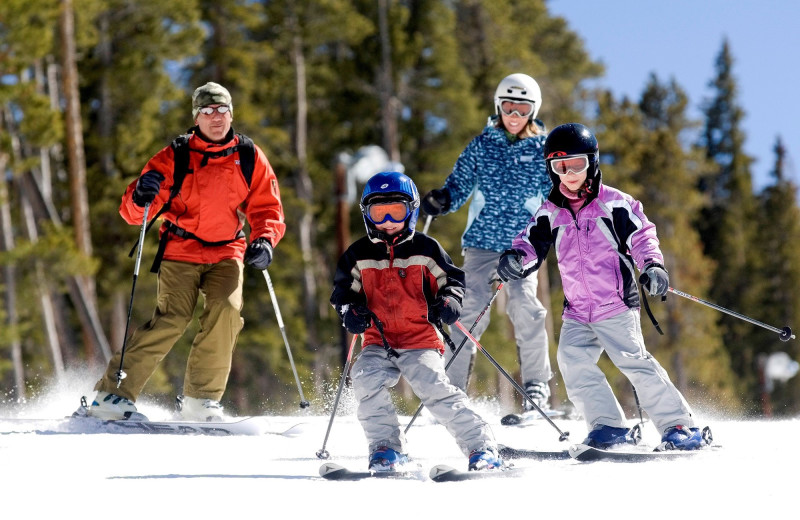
x: 204, y: 249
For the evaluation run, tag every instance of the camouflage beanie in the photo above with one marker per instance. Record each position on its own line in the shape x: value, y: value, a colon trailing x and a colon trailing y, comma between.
x: 210, y: 94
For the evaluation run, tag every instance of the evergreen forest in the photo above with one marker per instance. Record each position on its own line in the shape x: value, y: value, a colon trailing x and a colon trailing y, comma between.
x: 91, y: 89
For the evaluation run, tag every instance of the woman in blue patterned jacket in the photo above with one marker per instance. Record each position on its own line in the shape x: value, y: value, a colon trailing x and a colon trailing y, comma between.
x: 504, y: 173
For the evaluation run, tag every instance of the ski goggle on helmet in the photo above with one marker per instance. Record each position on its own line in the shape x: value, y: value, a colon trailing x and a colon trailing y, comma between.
x: 391, y: 196
x: 379, y: 211
x: 509, y: 107
x: 574, y: 164
x: 518, y: 94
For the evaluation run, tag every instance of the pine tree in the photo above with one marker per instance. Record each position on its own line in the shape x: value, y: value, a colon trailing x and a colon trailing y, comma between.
x: 779, y: 236
x: 727, y: 223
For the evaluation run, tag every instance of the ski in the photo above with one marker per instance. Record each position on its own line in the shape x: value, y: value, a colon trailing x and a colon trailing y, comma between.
x: 445, y: 473
x: 254, y: 425
x: 584, y: 453
x: 333, y: 471
x: 664, y: 451
x: 528, y: 418
x: 507, y: 452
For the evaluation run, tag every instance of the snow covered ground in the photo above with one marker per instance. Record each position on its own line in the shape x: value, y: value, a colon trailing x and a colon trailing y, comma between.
x: 276, y: 476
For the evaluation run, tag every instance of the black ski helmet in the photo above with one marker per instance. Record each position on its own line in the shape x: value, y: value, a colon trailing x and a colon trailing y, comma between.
x: 572, y: 139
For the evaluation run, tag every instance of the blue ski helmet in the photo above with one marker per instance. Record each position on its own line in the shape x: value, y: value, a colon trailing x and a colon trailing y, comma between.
x: 389, y: 186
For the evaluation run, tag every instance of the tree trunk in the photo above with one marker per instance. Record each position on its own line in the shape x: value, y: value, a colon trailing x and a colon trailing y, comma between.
x: 76, y: 157
x: 389, y: 104
x: 87, y: 311
x: 45, y: 295
x: 10, y: 282
x: 305, y: 189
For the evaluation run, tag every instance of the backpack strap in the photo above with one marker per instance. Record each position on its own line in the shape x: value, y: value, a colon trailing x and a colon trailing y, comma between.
x: 247, y: 157
x: 181, y: 151
x: 180, y: 148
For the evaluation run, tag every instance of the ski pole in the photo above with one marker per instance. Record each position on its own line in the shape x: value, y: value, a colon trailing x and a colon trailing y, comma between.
x: 120, y: 373
x: 785, y: 333
x: 303, y: 402
x: 637, y: 436
x: 323, y: 453
x: 390, y: 352
x: 428, y: 220
x: 563, y: 435
x: 456, y: 350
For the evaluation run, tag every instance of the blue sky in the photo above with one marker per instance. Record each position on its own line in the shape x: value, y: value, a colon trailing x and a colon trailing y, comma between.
x: 681, y: 39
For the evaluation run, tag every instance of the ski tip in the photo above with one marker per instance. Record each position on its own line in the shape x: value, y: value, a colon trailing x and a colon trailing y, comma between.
x: 576, y: 450
x: 328, y: 468
x: 295, y: 431
x: 438, y: 471
x: 511, y: 419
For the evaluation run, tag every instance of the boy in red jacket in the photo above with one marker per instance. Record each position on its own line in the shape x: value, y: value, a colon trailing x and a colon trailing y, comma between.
x: 392, y: 286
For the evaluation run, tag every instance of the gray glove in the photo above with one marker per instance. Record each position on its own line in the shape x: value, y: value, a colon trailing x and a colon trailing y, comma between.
x: 657, y: 282
x: 510, y: 265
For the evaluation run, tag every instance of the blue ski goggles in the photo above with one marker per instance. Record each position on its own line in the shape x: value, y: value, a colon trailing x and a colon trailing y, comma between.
x: 380, y: 212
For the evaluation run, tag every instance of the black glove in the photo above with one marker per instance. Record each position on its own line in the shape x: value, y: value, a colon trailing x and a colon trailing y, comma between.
x: 356, y: 318
x: 259, y: 254
x: 510, y: 265
x: 147, y: 188
x: 447, y: 309
x: 657, y: 281
x: 436, y: 202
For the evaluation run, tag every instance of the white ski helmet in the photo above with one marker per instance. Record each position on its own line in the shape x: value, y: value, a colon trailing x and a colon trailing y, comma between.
x: 520, y: 87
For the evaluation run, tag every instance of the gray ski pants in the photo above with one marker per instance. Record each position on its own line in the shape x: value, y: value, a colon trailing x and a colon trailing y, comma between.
x: 526, y: 312
x: 373, y: 374
x: 579, y: 349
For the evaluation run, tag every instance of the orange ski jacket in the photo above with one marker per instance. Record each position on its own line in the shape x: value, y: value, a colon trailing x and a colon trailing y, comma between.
x: 213, y: 202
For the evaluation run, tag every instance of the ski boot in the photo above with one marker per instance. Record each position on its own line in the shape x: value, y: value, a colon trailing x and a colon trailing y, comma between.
x: 681, y: 437
x: 385, y: 459
x: 605, y: 437
x: 113, y: 407
x: 485, y: 459
x: 198, y: 410
x: 539, y: 393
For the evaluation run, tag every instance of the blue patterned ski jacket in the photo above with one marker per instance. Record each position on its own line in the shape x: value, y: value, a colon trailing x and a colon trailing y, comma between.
x: 507, y: 181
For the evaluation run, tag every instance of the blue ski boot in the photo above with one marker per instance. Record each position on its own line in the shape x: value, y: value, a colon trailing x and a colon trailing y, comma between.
x: 604, y: 437
x: 484, y: 459
x: 385, y: 459
x: 684, y: 438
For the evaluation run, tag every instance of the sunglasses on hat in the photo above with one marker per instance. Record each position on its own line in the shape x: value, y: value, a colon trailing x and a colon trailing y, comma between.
x: 210, y: 110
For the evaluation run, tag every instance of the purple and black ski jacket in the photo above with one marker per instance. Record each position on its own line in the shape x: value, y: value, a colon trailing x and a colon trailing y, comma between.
x: 596, y: 250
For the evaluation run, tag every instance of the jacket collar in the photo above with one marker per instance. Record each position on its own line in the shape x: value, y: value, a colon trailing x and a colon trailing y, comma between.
x: 201, y: 143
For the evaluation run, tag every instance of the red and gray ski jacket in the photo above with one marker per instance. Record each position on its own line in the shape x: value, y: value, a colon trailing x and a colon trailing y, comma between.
x: 398, y: 283
x: 596, y: 249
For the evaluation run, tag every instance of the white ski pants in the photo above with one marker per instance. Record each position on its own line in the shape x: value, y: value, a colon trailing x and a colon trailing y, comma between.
x: 373, y: 374
x: 526, y: 312
x: 579, y: 349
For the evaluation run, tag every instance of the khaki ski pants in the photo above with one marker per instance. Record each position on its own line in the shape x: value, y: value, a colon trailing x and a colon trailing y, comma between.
x: 209, y: 363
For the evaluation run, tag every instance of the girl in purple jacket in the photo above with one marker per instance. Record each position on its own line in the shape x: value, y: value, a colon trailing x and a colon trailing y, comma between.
x: 600, y: 234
